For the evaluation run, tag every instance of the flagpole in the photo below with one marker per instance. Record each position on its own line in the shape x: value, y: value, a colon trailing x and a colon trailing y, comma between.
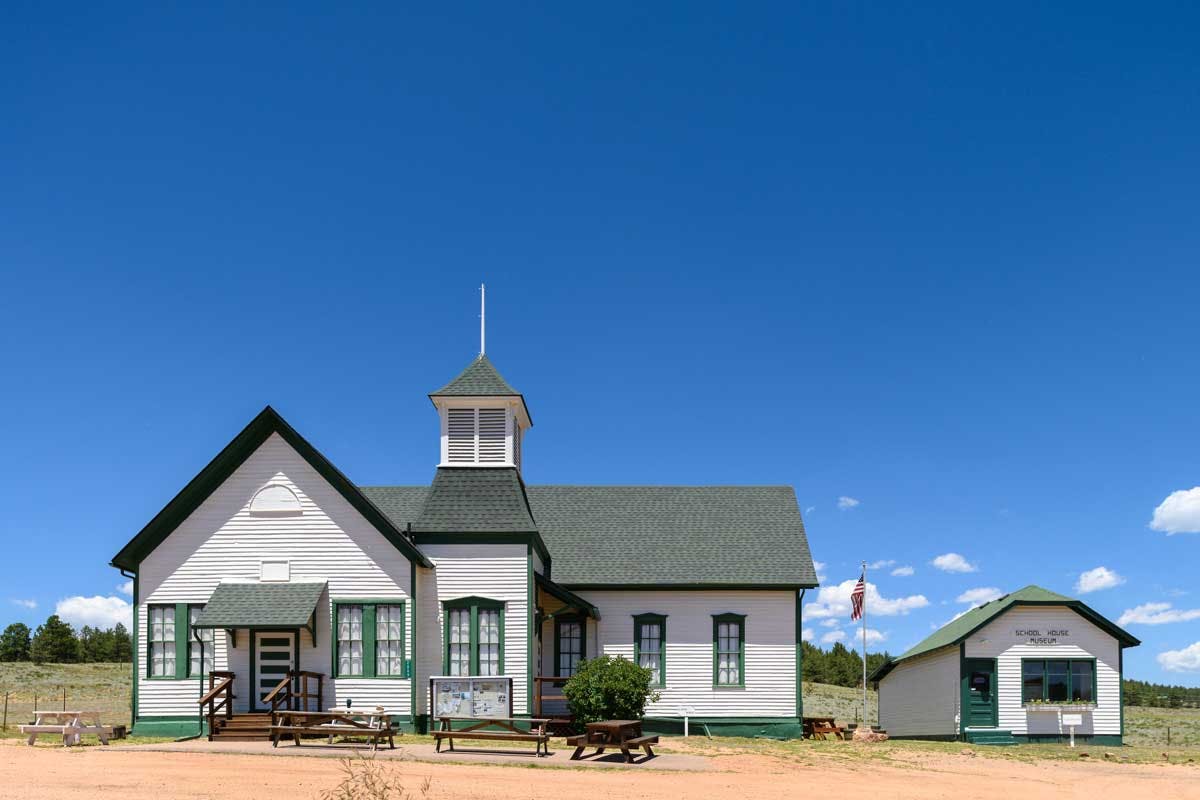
x: 864, y: 638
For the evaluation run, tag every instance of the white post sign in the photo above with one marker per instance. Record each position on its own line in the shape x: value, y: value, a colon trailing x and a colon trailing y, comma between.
x: 1072, y: 721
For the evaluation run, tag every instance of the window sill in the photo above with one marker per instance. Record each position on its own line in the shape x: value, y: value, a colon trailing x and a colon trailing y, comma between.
x: 725, y: 687
x: 1060, y: 706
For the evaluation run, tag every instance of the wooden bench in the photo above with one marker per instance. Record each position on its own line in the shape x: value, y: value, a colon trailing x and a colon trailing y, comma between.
x: 537, y: 733
x: 332, y: 729
x: 70, y: 725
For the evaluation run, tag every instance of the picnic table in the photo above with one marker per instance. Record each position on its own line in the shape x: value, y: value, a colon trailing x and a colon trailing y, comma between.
x: 818, y: 727
x: 621, y: 734
x: 537, y: 732
x: 335, y: 722
x: 70, y: 725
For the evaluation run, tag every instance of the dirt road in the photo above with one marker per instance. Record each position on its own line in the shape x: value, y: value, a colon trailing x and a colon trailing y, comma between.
x: 49, y: 773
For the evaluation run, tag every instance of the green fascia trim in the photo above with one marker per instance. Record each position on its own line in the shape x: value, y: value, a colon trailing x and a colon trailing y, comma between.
x: 928, y: 737
x: 133, y: 698
x: 229, y: 459
x: 799, y: 654
x: 717, y: 620
x: 412, y: 592
x: 1121, y: 685
x: 685, y: 587
x: 1105, y: 739
x: 532, y: 538
x: 963, y: 689
x: 175, y: 726
x: 749, y: 727
x: 529, y: 621
x: 661, y: 619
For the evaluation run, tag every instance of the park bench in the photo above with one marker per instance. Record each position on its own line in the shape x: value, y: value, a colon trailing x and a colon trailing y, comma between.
x: 70, y: 725
x: 623, y: 735
x: 537, y: 732
x: 295, y: 724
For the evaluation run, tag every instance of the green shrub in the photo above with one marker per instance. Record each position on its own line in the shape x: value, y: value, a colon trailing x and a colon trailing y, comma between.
x: 608, y: 687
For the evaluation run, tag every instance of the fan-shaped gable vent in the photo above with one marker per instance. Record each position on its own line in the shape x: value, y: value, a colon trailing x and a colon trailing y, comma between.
x: 275, y: 500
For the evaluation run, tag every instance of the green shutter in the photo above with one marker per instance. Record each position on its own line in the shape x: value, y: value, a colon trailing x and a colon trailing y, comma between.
x: 182, y: 637
x: 368, y: 640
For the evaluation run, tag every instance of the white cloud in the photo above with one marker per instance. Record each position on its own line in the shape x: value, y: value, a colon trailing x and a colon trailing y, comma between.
x: 832, y: 622
x: 881, y: 564
x: 1096, y: 579
x: 97, y: 611
x: 903, y: 572
x: 953, y: 562
x: 936, y: 625
x: 126, y: 588
x: 24, y: 603
x: 820, y: 566
x: 806, y: 634
x: 977, y: 597
x: 810, y: 509
x: 1179, y: 513
x: 1157, y: 614
x: 833, y: 636
x: 1185, y: 660
x: 834, y: 601
x: 845, y: 502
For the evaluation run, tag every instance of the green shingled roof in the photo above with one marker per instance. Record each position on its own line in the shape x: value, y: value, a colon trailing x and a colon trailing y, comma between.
x: 959, y: 629
x: 623, y: 535
x: 479, y: 379
x: 260, y: 605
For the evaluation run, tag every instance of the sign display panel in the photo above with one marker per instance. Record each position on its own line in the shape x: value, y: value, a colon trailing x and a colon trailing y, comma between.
x: 471, y: 697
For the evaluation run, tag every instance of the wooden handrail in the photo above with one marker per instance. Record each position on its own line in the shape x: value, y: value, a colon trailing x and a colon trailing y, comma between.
x: 539, y: 696
x: 281, y: 686
x: 216, y: 690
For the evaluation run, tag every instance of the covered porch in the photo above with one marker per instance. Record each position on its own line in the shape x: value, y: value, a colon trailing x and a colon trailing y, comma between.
x: 563, y: 633
x: 271, y: 635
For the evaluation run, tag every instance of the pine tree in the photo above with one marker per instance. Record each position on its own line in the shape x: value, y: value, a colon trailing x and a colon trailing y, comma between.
x: 14, y: 642
x: 122, y: 644
x: 54, y: 643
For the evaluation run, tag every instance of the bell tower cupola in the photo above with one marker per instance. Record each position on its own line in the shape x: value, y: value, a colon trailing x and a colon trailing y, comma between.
x: 483, y: 418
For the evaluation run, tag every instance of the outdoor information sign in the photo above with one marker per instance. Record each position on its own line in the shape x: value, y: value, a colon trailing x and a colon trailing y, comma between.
x: 479, y: 697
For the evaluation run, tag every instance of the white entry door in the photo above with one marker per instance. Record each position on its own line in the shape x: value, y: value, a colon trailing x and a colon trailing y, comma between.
x: 274, y: 655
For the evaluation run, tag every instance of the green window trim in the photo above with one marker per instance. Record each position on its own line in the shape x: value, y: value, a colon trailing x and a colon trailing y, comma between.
x: 1070, y: 673
x: 640, y: 621
x: 740, y: 621
x: 370, y: 650
x: 569, y: 619
x: 472, y: 605
x: 179, y: 615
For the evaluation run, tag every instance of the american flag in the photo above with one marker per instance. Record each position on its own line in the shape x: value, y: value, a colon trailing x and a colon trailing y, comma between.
x: 856, y: 600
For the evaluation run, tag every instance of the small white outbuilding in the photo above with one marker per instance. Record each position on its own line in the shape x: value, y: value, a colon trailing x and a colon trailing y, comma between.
x: 1031, y: 666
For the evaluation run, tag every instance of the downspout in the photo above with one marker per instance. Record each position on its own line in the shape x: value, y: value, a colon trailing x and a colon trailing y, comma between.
x: 132, y: 576
x: 199, y: 708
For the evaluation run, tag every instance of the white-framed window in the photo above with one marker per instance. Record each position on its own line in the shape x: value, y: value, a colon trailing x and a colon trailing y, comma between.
x: 350, y: 640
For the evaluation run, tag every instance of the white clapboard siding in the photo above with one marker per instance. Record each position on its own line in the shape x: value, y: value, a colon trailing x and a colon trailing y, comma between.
x: 498, y: 572
x: 999, y: 640
x: 222, y: 541
x: 920, y: 696
x: 770, y: 689
x: 429, y: 650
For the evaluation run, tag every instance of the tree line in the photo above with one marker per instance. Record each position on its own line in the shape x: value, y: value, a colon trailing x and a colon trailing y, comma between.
x: 56, y: 642
x: 841, y: 666
x: 1158, y: 695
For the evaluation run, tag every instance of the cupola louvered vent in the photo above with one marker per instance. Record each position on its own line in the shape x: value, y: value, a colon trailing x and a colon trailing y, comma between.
x: 517, y: 446
x: 460, y: 430
x: 491, y: 435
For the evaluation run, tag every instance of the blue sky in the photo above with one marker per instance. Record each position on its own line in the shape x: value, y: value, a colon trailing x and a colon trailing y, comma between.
x: 941, y: 262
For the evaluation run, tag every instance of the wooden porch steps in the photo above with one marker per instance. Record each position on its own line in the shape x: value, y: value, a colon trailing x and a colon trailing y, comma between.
x: 243, y: 728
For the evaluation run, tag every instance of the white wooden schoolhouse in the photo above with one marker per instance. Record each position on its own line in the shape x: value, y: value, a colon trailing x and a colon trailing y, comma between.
x: 1031, y: 666
x: 271, y: 567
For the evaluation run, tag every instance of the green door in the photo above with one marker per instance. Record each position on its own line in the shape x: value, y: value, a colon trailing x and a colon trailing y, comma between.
x: 981, y: 692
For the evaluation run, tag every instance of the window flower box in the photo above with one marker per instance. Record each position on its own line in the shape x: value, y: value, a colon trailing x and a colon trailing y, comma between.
x: 1069, y: 708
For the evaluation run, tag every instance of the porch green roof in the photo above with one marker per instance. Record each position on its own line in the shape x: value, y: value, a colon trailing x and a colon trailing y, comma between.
x: 260, y: 605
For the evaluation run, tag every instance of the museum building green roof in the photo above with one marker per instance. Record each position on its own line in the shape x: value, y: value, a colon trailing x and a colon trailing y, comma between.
x: 957, y: 630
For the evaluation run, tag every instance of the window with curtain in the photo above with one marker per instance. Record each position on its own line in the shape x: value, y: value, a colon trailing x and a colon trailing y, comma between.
x: 474, y: 636
x: 729, y: 638
x: 350, y: 640
x: 195, y: 650
x: 389, y: 640
x: 460, y: 641
x: 649, y: 638
x: 162, y: 641
x: 1058, y: 680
